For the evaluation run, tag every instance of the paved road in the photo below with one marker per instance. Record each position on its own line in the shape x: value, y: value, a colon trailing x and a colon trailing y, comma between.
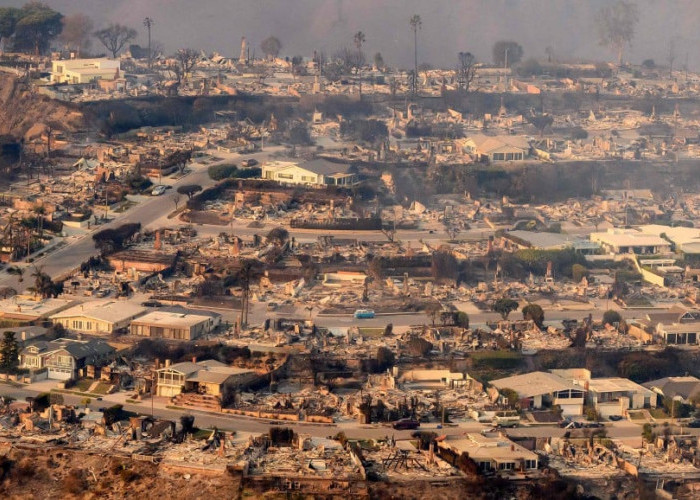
x: 624, y: 430
x: 150, y: 211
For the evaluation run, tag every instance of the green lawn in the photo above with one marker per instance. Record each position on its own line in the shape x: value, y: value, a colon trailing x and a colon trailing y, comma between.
x: 82, y: 385
x: 202, y: 434
x: 658, y: 413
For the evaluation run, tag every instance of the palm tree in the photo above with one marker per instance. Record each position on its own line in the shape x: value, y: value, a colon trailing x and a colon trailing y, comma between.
x: 40, y: 211
x: 359, y: 39
x: 416, y: 24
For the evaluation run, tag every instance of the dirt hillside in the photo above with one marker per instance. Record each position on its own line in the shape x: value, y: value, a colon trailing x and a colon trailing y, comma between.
x: 21, y: 108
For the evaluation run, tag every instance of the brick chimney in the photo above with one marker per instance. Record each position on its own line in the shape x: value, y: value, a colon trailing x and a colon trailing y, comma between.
x: 157, y: 245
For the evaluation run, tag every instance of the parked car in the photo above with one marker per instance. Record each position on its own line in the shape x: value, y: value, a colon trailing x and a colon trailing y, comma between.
x: 615, y: 418
x: 364, y: 314
x: 406, y: 424
x: 593, y: 425
x: 151, y: 303
x: 694, y: 424
x: 250, y: 162
x: 158, y: 190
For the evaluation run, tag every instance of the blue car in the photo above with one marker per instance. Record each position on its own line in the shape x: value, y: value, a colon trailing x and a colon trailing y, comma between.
x: 364, y: 314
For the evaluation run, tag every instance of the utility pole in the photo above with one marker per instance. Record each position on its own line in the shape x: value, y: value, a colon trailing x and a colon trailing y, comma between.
x: 416, y: 24
x: 148, y: 23
x: 153, y: 388
x: 671, y: 58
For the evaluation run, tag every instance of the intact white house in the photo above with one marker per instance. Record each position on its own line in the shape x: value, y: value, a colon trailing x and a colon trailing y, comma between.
x: 98, y: 317
x: 179, y: 324
x: 538, y: 390
x: 318, y: 172
x: 621, y: 241
x: 77, y: 71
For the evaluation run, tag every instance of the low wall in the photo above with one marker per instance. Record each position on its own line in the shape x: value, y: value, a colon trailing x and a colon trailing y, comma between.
x: 319, y: 419
x: 292, y: 417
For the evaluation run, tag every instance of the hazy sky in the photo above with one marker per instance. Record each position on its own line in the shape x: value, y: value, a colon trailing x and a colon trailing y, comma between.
x: 449, y: 26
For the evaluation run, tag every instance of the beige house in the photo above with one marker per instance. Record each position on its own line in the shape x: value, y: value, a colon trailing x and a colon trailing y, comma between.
x: 205, y: 377
x: 538, y: 390
x: 497, y: 148
x: 100, y: 317
x: 27, y: 308
x: 316, y: 172
x: 492, y: 452
x: 76, y: 71
x: 175, y: 324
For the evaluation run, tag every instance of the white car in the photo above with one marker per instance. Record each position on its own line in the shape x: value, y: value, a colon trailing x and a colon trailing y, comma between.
x: 158, y: 190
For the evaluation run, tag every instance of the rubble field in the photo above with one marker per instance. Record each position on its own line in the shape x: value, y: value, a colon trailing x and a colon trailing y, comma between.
x: 41, y: 473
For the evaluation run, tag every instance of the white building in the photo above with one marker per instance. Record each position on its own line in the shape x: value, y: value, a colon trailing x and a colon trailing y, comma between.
x: 316, y: 172
x: 622, y: 241
x: 615, y: 395
x: 101, y: 317
x: 175, y: 324
x: 497, y: 148
x: 77, y: 71
x: 492, y: 451
x: 538, y: 390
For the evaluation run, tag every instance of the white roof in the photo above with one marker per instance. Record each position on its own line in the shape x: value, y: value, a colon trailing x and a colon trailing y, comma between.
x: 111, y: 311
x: 26, y: 306
x: 170, y: 318
x: 686, y: 238
x: 614, y: 384
x: 480, y: 447
x: 532, y: 384
x: 629, y: 238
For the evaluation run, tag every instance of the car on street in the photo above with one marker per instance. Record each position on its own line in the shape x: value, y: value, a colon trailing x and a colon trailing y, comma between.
x: 694, y: 424
x: 158, y: 190
x: 406, y: 424
x: 250, y: 162
x: 615, y: 418
x: 364, y: 314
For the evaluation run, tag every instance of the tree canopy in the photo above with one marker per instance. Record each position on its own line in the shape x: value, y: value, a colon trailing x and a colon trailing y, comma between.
x: 507, y: 53
x: 505, y: 306
x: 444, y: 265
x: 534, y: 313
x: 36, y: 26
x: 616, y: 24
x: 278, y: 236
x: 9, y: 353
x: 611, y: 317
x: 110, y: 240
x: 77, y: 32
x: 271, y: 47
x: 189, y: 190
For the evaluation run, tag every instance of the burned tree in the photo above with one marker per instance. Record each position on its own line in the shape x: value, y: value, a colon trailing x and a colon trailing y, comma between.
x: 114, y: 37
x: 467, y: 71
x: 187, y: 60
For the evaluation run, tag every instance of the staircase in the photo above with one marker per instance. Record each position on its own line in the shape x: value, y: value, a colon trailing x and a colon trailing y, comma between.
x: 201, y: 401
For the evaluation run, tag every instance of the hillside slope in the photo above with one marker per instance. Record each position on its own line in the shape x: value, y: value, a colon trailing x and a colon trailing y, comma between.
x: 20, y: 109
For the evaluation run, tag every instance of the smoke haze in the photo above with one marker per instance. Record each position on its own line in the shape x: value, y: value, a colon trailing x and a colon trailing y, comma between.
x: 449, y: 26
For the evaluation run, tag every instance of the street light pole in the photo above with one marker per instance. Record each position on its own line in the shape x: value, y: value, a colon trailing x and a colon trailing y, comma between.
x: 148, y: 23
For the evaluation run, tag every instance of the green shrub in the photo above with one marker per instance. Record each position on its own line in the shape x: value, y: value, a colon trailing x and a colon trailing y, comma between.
x: 220, y: 172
